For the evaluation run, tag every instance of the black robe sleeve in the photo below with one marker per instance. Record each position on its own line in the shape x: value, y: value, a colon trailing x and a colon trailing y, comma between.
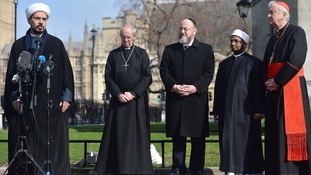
x: 11, y: 90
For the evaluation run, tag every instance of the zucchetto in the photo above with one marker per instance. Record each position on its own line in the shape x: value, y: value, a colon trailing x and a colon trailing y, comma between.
x: 283, y: 4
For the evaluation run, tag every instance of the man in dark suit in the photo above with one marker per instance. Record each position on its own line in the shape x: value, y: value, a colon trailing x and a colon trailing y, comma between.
x: 186, y: 69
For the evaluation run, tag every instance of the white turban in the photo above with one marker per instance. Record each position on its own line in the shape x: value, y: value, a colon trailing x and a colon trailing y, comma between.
x: 243, y: 35
x: 37, y: 7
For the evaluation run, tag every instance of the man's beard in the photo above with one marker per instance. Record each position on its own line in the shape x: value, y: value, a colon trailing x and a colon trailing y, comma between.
x: 37, y: 32
x: 184, y: 40
x: 237, y: 50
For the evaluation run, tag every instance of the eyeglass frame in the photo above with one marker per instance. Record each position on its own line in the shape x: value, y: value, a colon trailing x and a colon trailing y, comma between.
x: 126, y: 37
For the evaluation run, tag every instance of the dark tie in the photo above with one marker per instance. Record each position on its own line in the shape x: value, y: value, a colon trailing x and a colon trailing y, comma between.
x: 186, y: 47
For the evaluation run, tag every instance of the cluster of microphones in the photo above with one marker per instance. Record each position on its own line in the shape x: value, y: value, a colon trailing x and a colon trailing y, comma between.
x: 25, y: 64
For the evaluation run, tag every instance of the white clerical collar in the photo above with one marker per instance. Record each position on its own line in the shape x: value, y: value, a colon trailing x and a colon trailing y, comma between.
x: 236, y: 56
x: 128, y: 48
x: 188, y: 45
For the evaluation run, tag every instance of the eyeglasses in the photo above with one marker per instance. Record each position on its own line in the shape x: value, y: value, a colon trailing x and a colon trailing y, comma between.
x: 235, y: 41
x: 126, y: 37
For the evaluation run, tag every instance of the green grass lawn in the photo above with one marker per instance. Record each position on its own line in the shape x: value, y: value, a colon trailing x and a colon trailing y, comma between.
x: 95, y: 133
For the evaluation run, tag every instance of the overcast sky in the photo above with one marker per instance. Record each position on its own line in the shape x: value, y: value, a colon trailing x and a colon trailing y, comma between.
x: 69, y: 16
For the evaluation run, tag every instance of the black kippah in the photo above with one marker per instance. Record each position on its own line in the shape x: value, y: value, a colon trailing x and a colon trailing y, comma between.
x: 193, y: 21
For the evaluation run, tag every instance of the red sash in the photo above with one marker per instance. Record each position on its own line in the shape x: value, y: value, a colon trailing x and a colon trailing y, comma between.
x: 295, y: 127
x: 273, y: 69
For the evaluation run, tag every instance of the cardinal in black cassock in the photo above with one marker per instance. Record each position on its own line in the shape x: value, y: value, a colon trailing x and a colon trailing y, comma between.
x: 288, y: 118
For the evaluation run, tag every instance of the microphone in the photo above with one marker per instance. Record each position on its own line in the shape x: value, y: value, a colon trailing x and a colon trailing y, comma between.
x: 24, y: 61
x: 23, y: 64
x: 15, y: 78
x: 49, y: 66
x: 41, y: 61
x: 38, y: 42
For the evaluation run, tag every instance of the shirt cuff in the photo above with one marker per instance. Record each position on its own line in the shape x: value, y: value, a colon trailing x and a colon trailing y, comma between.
x: 14, y: 96
x: 66, y: 95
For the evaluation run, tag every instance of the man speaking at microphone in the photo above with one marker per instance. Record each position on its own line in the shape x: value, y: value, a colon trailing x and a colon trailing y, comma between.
x: 36, y: 113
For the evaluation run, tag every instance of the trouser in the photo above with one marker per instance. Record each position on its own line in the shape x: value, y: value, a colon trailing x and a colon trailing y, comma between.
x: 197, y: 156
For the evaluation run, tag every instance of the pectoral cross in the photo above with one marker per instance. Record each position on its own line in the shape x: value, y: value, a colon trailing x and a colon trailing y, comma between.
x: 125, y: 66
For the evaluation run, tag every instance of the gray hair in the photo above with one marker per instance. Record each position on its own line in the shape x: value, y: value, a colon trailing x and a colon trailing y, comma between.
x: 281, y: 8
x: 128, y: 25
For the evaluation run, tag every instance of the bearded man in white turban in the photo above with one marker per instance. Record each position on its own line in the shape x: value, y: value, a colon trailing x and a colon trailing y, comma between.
x: 33, y: 108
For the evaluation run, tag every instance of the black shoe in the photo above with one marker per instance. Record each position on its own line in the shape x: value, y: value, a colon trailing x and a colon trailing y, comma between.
x: 196, y: 173
x: 175, y: 172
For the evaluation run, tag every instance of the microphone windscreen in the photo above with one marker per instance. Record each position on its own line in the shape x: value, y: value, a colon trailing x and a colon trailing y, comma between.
x: 42, y: 58
x: 24, y: 60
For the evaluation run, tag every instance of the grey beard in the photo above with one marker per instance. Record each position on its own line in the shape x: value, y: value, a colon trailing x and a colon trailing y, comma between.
x: 184, y: 40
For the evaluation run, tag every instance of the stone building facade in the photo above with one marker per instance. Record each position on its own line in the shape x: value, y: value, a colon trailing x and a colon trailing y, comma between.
x: 105, y: 39
x: 82, y: 54
x: 7, y: 22
x: 7, y: 36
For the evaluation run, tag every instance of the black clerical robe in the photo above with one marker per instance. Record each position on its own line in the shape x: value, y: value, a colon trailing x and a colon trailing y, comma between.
x: 291, y: 50
x: 37, y: 119
x: 239, y: 94
x: 125, y: 146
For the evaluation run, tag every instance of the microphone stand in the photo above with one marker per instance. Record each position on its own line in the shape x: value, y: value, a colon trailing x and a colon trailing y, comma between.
x: 22, y: 139
x: 33, y: 102
x: 35, y: 59
x: 47, y: 70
